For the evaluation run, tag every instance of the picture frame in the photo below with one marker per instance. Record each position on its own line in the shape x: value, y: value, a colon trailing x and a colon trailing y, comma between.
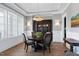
x: 75, y: 20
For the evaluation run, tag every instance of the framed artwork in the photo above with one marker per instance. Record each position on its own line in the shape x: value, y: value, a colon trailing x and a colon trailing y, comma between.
x: 75, y: 21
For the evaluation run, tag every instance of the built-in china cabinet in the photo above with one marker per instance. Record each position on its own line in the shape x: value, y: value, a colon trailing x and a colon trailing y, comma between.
x: 42, y: 26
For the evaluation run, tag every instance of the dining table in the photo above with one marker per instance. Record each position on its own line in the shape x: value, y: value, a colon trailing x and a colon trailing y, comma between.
x: 36, y: 46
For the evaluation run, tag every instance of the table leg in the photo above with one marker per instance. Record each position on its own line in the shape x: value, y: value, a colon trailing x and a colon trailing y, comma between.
x: 64, y: 43
x: 34, y: 46
x: 71, y: 48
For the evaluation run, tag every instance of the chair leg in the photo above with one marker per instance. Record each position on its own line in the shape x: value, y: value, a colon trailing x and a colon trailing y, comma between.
x: 49, y: 50
x: 44, y: 50
x: 65, y: 51
x: 27, y: 48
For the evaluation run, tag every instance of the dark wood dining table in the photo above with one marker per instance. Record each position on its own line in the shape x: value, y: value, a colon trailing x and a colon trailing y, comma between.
x: 36, y: 41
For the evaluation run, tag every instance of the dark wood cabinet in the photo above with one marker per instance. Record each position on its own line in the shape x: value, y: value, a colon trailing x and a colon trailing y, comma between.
x: 42, y: 26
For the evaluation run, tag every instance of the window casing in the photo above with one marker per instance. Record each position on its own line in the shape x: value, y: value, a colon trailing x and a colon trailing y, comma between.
x: 11, y: 24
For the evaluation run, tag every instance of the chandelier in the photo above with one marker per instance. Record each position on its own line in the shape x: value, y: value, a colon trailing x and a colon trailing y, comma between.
x: 38, y: 18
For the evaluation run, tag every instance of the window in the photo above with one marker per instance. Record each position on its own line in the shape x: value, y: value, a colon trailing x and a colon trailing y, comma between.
x: 20, y: 24
x: 1, y: 24
x: 11, y: 24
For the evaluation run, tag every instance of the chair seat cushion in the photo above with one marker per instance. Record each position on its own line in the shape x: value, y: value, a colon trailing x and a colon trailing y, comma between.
x: 30, y: 42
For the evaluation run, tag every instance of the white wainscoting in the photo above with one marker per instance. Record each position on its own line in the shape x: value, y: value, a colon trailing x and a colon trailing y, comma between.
x: 10, y: 42
x: 57, y: 36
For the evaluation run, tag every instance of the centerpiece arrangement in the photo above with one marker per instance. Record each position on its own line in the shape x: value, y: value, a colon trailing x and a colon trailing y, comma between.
x: 38, y: 35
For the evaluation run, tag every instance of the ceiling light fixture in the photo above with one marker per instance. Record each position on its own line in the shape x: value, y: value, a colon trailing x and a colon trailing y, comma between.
x: 38, y: 17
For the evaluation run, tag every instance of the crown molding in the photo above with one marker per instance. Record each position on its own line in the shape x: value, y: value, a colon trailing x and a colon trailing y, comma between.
x: 40, y: 12
x: 21, y: 8
x: 65, y: 8
x: 3, y: 4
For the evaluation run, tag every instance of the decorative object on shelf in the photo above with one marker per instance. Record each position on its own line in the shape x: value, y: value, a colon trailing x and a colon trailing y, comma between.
x: 42, y: 26
x: 38, y: 18
x: 75, y: 20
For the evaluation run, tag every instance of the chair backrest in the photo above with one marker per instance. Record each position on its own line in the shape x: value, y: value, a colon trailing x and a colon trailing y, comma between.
x: 33, y: 34
x: 47, y: 38
x: 25, y: 41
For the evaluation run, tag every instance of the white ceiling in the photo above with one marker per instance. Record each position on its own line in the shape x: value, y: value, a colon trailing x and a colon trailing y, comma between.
x: 37, y: 8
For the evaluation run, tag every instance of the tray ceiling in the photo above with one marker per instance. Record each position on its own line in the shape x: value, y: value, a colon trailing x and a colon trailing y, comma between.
x: 35, y: 8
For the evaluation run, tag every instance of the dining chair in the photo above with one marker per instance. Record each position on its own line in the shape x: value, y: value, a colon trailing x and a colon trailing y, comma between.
x: 27, y: 42
x: 46, y: 42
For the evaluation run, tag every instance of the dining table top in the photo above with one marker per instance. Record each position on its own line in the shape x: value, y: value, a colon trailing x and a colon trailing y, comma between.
x: 34, y: 39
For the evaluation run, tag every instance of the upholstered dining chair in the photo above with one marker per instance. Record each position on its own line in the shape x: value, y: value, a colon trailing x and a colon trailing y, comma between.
x: 46, y: 41
x: 27, y: 42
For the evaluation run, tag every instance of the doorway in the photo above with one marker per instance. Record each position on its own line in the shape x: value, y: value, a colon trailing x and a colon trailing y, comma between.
x: 64, y: 27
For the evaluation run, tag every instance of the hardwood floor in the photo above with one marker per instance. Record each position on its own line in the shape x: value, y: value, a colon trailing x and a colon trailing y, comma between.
x: 57, y: 49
